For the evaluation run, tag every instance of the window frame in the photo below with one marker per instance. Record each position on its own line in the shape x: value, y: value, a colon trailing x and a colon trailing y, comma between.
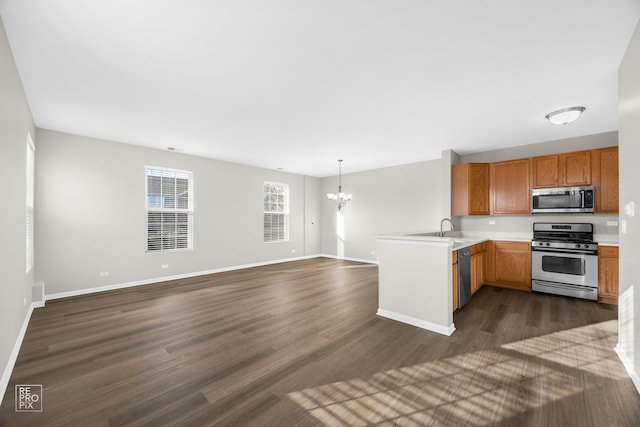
x: 285, y: 213
x: 162, y: 210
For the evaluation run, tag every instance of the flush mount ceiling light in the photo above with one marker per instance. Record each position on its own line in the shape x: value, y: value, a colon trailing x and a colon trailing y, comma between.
x: 564, y: 116
x: 341, y: 199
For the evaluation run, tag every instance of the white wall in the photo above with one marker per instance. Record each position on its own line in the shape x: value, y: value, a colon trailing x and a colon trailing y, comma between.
x: 563, y: 145
x: 91, y: 214
x: 312, y: 214
x: 399, y: 198
x: 15, y: 283
x: 629, y: 129
x: 414, y: 284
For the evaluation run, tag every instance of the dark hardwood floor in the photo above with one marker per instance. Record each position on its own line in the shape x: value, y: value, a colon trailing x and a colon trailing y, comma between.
x: 299, y: 344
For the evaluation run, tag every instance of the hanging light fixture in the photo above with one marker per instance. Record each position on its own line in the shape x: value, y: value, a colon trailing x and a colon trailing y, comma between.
x: 341, y: 199
x: 564, y: 116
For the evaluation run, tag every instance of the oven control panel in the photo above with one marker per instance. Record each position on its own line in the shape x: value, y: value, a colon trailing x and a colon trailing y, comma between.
x: 589, y: 246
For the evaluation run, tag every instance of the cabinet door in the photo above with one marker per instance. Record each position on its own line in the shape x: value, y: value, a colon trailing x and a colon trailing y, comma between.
x: 510, y: 189
x: 511, y: 265
x: 490, y: 262
x: 479, y: 185
x: 605, y: 179
x: 575, y: 168
x: 470, y: 189
x: 483, y: 276
x: 476, y: 270
x: 608, y: 275
x: 454, y: 285
x: 544, y: 171
x: 478, y: 266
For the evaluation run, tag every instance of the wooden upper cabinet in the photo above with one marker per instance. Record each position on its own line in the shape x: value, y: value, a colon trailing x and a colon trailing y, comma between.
x: 575, y: 168
x: 470, y: 189
x: 561, y: 170
x: 605, y: 179
x: 544, y: 171
x: 510, y: 187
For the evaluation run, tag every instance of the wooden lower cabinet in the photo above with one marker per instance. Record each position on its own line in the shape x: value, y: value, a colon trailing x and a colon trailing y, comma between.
x: 454, y: 279
x: 608, y: 274
x: 478, y: 266
x: 478, y: 263
x: 509, y: 264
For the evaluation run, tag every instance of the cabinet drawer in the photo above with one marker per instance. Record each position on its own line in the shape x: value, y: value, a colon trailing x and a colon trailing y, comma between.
x: 478, y: 248
x: 512, y: 246
x: 608, y: 251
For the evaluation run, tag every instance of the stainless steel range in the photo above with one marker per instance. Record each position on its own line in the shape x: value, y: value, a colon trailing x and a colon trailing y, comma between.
x: 564, y: 260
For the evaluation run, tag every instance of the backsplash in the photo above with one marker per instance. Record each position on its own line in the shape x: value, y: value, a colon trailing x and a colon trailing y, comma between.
x: 518, y: 226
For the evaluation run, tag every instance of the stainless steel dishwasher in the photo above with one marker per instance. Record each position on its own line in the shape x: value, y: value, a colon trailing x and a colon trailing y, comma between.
x: 464, y: 276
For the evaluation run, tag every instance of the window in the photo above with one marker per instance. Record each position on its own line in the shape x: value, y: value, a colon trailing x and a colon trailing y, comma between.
x: 31, y: 152
x: 169, y: 209
x: 276, y: 212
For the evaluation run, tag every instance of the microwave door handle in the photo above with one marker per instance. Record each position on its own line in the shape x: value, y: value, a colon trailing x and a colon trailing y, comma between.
x: 582, y: 198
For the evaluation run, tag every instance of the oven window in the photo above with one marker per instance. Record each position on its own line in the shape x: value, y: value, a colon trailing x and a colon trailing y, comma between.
x: 564, y: 265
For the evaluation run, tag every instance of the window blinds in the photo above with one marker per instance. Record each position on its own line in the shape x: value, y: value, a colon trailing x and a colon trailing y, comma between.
x: 169, y: 201
x: 276, y: 212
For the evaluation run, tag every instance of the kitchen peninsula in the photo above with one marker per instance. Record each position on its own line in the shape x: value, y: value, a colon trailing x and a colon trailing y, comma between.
x: 415, y: 278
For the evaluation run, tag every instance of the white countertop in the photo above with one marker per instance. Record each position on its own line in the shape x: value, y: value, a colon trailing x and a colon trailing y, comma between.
x: 458, y: 240
x: 455, y: 240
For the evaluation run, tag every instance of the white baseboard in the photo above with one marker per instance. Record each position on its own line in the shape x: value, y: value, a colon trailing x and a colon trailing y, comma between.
x: 367, y: 261
x: 433, y: 327
x: 92, y: 290
x: 628, y: 364
x: 8, y: 370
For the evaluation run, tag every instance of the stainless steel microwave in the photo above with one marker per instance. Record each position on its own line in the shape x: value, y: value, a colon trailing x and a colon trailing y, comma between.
x: 562, y: 200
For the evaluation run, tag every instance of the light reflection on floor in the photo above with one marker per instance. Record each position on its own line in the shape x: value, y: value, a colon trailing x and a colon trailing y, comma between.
x: 476, y: 388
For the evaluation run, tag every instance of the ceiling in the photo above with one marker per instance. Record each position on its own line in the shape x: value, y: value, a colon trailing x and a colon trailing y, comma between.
x: 298, y: 84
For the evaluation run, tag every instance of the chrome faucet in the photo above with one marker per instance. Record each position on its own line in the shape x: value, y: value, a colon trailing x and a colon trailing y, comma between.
x: 453, y: 226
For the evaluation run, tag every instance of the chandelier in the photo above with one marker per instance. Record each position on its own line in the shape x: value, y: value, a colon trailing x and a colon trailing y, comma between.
x: 341, y: 199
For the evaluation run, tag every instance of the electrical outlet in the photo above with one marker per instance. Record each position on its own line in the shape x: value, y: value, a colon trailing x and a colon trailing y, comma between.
x: 293, y: 251
x: 492, y: 222
x: 629, y: 209
x: 104, y: 273
x: 612, y: 223
x: 623, y: 226
x: 164, y: 266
